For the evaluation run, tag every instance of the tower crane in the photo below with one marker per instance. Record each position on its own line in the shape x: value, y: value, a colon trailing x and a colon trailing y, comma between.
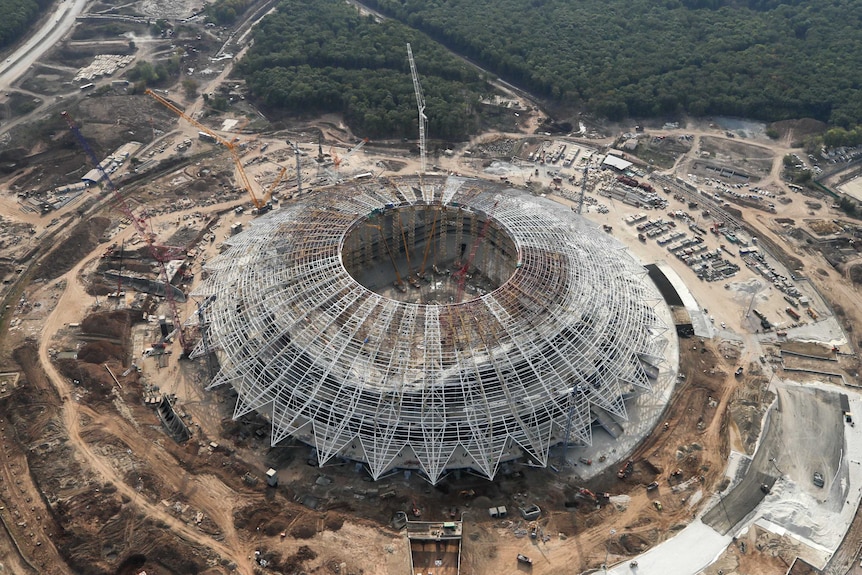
x: 298, y: 166
x: 461, y: 274
x: 583, y: 188
x: 420, y: 105
x: 231, y: 147
x: 161, y: 254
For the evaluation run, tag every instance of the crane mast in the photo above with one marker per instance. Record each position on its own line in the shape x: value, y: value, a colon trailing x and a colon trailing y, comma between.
x: 420, y: 105
x: 583, y: 189
x: 298, y: 167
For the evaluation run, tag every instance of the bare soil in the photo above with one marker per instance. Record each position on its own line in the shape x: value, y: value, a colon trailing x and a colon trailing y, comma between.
x: 84, y: 238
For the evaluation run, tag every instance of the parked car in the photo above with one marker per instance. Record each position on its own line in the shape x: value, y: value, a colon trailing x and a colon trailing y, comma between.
x: 818, y: 479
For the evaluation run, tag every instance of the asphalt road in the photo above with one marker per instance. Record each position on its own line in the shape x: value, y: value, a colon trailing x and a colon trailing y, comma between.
x: 804, y: 434
x: 54, y: 28
x: 734, y: 506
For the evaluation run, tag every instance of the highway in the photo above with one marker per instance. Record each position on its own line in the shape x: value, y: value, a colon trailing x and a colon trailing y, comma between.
x: 45, y: 38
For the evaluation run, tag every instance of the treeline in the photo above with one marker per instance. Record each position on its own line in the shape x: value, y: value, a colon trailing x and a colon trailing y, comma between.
x: 317, y: 56
x: 764, y: 59
x: 224, y: 12
x: 18, y: 16
x: 837, y: 137
x: 149, y: 75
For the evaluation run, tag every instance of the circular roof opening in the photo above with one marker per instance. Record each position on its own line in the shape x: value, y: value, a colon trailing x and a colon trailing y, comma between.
x: 429, y: 253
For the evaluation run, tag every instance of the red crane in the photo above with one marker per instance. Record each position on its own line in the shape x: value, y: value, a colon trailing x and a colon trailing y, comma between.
x: 161, y: 254
x: 461, y: 274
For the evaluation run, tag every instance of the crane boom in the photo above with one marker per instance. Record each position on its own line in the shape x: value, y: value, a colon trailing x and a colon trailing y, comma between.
x: 420, y: 105
x: 268, y: 195
x: 354, y: 149
x: 243, y: 178
x: 159, y: 254
x: 399, y: 282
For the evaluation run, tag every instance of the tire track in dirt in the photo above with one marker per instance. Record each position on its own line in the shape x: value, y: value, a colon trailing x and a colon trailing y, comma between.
x: 68, y: 306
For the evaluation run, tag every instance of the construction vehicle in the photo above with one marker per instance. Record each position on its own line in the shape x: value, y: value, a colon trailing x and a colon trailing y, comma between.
x: 208, y: 134
x: 652, y: 486
x: 161, y: 254
x: 534, y: 529
x: 658, y: 506
x: 626, y: 469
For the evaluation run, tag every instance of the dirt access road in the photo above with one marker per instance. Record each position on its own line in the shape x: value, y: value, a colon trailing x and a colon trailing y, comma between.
x: 583, y: 537
x: 205, y: 492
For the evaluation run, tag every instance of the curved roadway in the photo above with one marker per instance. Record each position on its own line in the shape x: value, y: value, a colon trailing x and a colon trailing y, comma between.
x: 46, y: 37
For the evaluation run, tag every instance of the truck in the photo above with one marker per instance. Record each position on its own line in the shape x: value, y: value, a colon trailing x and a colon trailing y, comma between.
x: 793, y: 313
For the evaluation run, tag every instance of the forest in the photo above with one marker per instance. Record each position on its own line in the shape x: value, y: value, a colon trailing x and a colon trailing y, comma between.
x: 226, y: 12
x: 761, y: 59
x: 18, y: 16
x: 319, y: 56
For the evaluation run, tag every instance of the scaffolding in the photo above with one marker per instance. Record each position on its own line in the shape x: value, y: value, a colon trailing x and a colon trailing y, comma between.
x: 310, y: 329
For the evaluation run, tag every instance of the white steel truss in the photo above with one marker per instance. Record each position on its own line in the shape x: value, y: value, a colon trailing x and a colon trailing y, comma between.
x: 432, y: 387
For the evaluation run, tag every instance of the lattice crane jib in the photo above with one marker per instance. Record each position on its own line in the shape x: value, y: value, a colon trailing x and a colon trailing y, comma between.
x: 420, y: 105
x: 230, y: 146
x: 159, y: 253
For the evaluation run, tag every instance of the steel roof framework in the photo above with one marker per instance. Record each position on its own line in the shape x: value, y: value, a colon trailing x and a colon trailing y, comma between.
x: 430, y: 387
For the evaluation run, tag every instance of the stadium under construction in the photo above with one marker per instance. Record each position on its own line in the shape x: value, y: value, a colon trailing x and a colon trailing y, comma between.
x: 433, y: 325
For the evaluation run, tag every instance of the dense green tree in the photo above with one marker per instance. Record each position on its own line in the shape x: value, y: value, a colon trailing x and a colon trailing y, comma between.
x: 766, y: 59
x: 226, y: 11
x: 322, y: 56
x: 18, y: 16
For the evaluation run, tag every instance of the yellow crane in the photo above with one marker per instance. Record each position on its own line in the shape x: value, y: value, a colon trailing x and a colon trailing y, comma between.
x: 231, y: 147
x: 268, y: 195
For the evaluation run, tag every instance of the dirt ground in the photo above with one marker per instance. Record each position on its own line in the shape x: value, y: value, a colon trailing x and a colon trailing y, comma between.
x: 91, y: 483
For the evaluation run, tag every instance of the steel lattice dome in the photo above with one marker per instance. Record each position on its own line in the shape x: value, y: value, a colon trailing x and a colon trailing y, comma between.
x: 439, y: 324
